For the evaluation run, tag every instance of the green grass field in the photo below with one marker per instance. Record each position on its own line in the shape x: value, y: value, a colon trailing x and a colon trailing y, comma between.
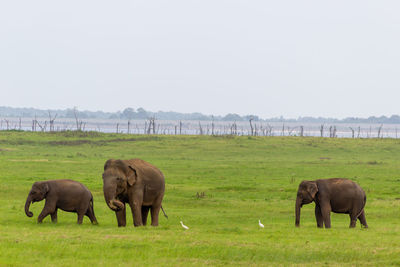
x: 243, y: 179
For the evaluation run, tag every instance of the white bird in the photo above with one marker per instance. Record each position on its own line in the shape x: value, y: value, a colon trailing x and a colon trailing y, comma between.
x: 260, y: 224
x: 184, y: 226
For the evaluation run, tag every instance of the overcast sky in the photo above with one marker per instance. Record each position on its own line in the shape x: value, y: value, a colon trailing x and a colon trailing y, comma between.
x: 270, y: 58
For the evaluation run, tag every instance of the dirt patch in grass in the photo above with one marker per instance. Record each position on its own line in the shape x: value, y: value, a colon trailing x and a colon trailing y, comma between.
x: 77, y: 133
x: 69, y: 142
x: 101, y: 142
x: 371, y: 162
x: 121, y: 140
x: 116, y: 237
x: 374, y: 162
x: 29, y: 160
x: 6, y: 149
x: 235, y: 188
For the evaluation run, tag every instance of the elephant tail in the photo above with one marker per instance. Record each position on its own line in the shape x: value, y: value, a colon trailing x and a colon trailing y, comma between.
x: 166, y: 216
x: 362, y: 209
x: 91, y: 203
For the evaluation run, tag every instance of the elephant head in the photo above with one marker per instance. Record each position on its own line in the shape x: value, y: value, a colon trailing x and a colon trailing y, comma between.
x: 305, y: 194
x: 117, y: 176
x: 38, y: 192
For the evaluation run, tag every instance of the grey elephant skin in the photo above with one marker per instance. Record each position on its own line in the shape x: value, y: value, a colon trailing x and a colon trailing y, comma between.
x: 67, y: 195
x: 136, y: 182
x: 338, y: 195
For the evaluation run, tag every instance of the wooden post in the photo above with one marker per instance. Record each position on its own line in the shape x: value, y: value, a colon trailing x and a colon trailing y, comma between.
x: 51, y: 121
x: 251, y: 126
x: 352, y: 132
x: 379, y: 130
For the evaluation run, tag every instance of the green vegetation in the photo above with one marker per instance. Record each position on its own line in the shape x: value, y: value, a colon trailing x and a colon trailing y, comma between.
x: 218, y: 186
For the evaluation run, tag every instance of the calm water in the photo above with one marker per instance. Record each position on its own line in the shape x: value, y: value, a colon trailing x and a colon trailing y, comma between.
x: 208, y: 127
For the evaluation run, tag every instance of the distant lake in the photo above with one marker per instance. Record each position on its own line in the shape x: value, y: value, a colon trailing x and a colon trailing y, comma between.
x: 341, y: 130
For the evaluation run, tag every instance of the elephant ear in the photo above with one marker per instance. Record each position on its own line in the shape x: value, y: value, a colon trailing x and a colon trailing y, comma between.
x: 312, y: 189
x: 132, y: 177
x: 44, y: 188
x: 107, y: 164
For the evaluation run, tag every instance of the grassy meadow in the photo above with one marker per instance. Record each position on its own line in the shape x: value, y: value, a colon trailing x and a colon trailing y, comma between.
x: 219, y: 186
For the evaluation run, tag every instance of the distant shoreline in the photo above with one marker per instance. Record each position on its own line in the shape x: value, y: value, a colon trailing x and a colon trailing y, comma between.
x: 195, y: 127
x: 142, y: 114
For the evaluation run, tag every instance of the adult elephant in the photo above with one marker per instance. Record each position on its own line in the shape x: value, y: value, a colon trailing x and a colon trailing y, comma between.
x: 136, y: 182
x: 337, y: 195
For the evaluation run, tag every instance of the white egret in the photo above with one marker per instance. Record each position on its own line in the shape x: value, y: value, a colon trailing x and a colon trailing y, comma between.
x: 184, y: 226
x: 260, y: 224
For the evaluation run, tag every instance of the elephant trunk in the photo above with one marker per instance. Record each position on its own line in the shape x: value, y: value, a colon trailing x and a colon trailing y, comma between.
x: 112, y: 202
x: 298, y: 207
x: 27, y: 205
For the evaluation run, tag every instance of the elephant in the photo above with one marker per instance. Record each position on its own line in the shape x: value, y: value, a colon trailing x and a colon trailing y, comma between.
x: 66, y: 194
x: 136, y: 182
x: 338, y: 195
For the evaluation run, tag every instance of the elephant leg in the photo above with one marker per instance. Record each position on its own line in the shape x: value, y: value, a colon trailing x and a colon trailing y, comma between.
x: 80, y: 217
x: 352, y: 222
x: 145, y: 213
x: 121, y: 217
x: 136, y: 208
x: 47, y: 209
x: 54, y: 216
x: 155, y: 210
x: 318, y: 216
x: 90, y: 214
x: 42, y: 215
x: 326, y: 213
x: 362, y: 219
x: 353, y: 218
x: 82, y: 210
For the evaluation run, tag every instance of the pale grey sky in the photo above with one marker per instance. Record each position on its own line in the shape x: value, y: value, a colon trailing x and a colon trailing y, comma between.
x: 269, y: 58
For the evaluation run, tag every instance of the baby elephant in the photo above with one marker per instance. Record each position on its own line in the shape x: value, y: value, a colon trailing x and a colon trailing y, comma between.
x: 336, y: 194
x: 67, y: 195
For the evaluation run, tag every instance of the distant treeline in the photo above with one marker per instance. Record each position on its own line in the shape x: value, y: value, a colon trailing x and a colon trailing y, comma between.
x: 140, y: 113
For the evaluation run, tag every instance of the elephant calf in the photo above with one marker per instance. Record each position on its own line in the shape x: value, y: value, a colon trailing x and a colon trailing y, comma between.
x: 336, y: 194
x: 67, y: 195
